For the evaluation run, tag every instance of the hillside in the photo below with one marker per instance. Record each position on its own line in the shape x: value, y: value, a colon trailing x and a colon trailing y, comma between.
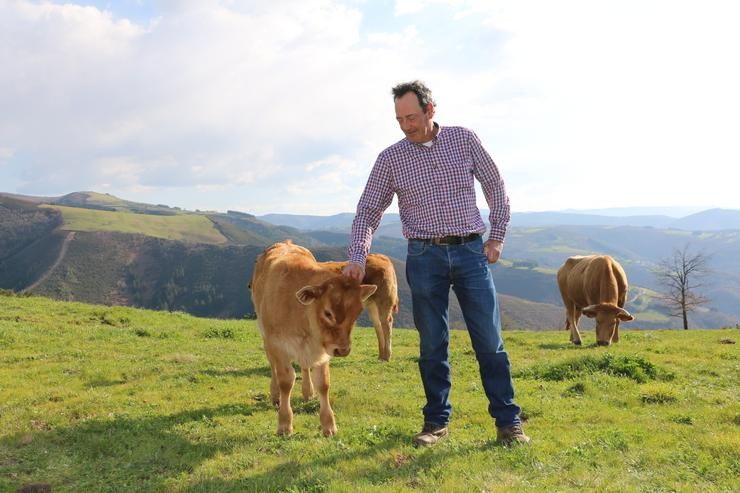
x: 192, y: 228
x: 195, y: 263
x: 100, y: 399
x: 155, y: 256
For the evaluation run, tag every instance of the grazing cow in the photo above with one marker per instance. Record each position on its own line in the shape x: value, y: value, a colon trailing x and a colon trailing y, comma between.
x: 305, y: 314
x: 595, y: 286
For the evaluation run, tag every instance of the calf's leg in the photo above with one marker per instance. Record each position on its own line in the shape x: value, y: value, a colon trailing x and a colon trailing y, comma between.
x: 285, y: 379
x: 326, y: 414
x: 384, y: 350
x: 306, y: 384
x: 274, y: 387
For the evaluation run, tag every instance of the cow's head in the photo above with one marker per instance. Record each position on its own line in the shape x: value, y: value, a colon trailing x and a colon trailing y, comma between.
x: 335, y: 305
x: 607, y: 317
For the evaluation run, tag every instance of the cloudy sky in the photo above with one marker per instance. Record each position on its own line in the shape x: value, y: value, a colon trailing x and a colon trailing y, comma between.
x: 283, y: 106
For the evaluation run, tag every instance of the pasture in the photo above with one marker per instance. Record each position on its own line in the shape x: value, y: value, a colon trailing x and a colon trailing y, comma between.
x: 94, y: 398
x: 195, y: 228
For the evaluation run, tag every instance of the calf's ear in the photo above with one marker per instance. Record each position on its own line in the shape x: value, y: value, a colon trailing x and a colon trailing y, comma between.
x: 367, y: 290
x: 308, y: 294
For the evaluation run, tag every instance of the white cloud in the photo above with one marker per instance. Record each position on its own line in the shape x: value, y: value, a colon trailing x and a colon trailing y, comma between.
x: 409, y: 7
x: 218, y: 103
x: 210, y: 93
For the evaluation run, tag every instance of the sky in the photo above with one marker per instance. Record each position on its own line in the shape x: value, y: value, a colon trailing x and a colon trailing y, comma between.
x: 283, y: 106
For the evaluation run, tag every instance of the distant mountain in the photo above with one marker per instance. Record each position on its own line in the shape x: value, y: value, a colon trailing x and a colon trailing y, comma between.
x: 674, y: 212
x: 341, y: 221
x: 536, y: 219
x: 709, y: 220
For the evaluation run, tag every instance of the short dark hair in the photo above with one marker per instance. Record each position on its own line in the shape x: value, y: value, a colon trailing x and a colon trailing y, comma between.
x: 423, y: 93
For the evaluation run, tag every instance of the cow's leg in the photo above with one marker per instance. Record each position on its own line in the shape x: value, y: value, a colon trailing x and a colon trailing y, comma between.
x: 286, y: 378
x: 326, y: 415
x: 306, y: 384
x: 575, y: 335
x: 615, y: 336
x: 383, y: 344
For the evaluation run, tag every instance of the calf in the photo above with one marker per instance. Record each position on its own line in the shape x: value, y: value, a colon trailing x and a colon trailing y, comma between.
x: 595, y: 286
x: 381, y: 306
x: 305, y: 314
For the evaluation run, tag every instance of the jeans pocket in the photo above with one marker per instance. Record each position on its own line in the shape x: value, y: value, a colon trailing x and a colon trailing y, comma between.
x: 416, y: 248
x: 475, y: 246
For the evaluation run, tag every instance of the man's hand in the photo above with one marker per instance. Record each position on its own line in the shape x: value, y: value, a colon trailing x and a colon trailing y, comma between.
x: 492, y: 249
x: 354, y: 271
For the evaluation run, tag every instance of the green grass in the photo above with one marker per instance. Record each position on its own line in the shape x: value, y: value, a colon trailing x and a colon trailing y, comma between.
x: 94, y: 398
x: 196, y: 228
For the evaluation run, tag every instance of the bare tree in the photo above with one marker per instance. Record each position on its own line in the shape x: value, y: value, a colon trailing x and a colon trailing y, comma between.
x: 681, y: 275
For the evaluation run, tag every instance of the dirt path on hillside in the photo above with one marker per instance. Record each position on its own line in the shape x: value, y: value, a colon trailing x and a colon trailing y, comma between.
x: 60, y: 257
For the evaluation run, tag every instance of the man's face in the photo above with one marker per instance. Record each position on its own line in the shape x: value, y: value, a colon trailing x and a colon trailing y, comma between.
x: 414, y: 122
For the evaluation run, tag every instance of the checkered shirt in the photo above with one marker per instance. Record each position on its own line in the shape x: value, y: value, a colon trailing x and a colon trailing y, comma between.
x: 435, y: 189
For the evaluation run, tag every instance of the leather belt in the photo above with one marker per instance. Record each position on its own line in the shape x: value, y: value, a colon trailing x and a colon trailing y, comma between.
x: 451, y: 240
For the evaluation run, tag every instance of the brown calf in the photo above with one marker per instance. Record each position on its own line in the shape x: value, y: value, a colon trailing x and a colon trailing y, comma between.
x: 305, y: 314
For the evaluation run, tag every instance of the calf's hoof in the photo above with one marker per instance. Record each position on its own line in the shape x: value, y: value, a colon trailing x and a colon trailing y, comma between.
x: 329, y: 431
x: 285, y: 430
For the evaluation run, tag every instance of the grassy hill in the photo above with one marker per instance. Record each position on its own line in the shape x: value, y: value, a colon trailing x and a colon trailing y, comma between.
x: 96, y: 399
x: 193, y: 228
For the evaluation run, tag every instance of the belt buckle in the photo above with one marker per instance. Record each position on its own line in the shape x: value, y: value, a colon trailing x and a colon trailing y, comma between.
x: 447, y: 240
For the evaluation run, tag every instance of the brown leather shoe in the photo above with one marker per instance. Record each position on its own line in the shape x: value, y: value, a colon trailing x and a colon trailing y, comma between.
x: 511, y: 434
x: 430, y: 434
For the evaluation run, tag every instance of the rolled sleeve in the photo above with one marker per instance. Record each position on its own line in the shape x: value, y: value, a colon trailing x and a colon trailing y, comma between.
x: 486, y: 172
x: 375, y: 199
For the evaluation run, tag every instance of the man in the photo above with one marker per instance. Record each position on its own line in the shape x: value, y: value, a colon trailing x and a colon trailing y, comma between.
x: 431, y: 171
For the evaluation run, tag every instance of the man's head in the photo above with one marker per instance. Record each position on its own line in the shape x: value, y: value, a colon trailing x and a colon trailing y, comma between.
x: 415, y: 110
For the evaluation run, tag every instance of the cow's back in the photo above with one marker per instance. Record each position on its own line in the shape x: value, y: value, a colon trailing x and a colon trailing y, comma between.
x: 280, y: 271
x: 592, y: 279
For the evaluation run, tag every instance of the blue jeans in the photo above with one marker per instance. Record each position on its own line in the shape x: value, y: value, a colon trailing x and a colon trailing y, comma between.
x: 431, y: 270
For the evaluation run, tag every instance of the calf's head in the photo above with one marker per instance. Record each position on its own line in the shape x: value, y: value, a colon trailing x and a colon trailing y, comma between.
x: 333, y: 308
x: 607, y: 317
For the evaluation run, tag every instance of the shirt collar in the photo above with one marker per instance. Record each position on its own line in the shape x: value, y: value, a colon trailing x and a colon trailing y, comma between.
x: 438, y: 130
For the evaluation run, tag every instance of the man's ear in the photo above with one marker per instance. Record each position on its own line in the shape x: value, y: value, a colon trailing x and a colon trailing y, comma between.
x: 308, y: 294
